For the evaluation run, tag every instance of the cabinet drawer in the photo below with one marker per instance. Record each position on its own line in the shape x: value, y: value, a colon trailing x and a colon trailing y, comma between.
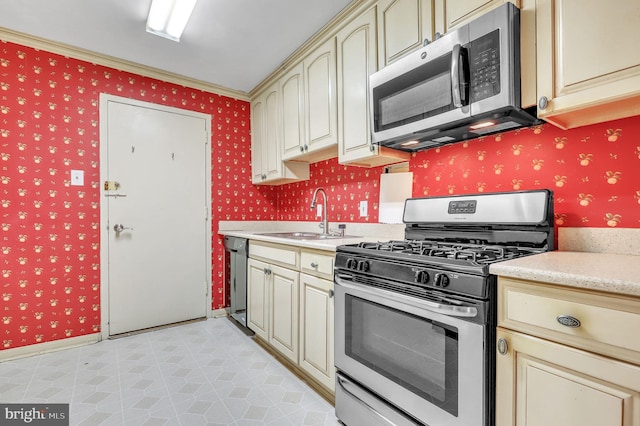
x: 606, y: 324
x: 278, y: 254
x: 317, y: 263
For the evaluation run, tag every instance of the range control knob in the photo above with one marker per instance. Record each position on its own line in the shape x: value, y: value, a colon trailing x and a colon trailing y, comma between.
x: 421, y: 277
x: 441, y: 280
x: 363, y: 266
x: 351, y: 263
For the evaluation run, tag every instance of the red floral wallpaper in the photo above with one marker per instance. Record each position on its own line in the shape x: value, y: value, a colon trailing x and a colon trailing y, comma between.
x: 49, y: 124
x: 594, y: 172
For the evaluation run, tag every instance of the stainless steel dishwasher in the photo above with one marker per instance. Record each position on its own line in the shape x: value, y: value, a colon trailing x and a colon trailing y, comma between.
x: 236, y: 251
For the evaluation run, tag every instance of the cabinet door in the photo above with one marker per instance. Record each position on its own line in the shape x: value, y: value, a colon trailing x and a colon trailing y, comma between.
x: 320, y: 98
x: 284, y: 311
x: 540, y: 383
x: 257, y: 138
x: 316, y: 329
x: 588, y: 60
x: 292, y: 90
x: 271, y: 155
x: 402, y: 27
x: 258, y: 291
x: 356, y: 60
x: 459, y: 12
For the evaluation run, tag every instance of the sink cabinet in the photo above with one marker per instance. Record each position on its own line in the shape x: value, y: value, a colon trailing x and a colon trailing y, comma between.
x: 290, y: 306
x: 581, y: 370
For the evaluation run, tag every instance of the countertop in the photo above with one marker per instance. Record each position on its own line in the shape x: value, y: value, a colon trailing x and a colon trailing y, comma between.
x: 612, y: 273
x: 326, y: 244
x: 362, y: 232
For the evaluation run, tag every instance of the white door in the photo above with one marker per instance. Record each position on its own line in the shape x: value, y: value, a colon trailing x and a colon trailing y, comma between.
x: 155, y: 193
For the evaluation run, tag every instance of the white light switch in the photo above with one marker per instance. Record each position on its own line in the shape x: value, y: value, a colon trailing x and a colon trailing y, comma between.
x: 77, y: 177
x: 363, y: 208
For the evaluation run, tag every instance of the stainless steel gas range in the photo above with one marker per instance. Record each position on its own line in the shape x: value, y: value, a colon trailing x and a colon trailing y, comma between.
x: 415, y: 319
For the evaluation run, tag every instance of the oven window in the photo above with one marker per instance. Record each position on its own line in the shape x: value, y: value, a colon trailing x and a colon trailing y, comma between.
x: 416, y: 353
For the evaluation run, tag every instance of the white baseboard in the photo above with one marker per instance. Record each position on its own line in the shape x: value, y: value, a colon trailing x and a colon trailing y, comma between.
x: 56, y: 345
x: 217, y: 313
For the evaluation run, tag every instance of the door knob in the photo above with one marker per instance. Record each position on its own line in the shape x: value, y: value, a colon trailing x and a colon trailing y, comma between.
x: 119, y: 228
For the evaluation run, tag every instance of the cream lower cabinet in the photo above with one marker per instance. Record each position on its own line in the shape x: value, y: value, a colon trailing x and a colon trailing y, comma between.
x: 566, y: 357
x: 316, y: 316
x: 272, y: 296
x: 290, y: 305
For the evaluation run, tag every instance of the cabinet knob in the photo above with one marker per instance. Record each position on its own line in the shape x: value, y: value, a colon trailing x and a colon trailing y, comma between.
x: 331, y: 293
x: 503, y: 346
x: 543, y: 102
x: 314, y: 265
x: 301, y: 148
x: 372, y: 147
x: 568, y: 321
x: 306, y: 147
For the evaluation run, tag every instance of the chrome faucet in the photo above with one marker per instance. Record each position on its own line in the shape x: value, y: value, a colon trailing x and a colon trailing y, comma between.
x: 325, y: 223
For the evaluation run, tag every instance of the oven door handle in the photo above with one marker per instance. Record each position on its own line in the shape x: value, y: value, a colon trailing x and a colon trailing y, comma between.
x: 344, y: 383
x: 440, y: 308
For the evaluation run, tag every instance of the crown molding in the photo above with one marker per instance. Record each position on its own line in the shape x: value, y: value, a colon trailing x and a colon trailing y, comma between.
x: 116, y: 63
x: 351, y: 11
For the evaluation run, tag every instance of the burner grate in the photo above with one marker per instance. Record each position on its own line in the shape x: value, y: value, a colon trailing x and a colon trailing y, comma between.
x: 472, y: 252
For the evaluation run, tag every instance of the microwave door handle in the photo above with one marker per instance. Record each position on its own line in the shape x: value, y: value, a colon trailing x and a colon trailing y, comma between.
x: 455, y: 76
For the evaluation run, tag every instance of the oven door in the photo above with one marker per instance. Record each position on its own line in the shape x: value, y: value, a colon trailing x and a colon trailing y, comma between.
x: 419, y: 355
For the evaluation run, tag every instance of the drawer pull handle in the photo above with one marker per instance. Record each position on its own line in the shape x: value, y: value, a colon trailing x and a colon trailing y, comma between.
x: 314, y: 265
x: 568, y: 321
x: 503, y: 346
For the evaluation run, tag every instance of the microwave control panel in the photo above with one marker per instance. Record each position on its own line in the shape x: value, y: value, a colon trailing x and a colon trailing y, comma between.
x: 484, y: 66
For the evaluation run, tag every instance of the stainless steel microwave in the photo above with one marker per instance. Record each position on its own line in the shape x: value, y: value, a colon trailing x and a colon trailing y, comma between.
x: 464, y: 85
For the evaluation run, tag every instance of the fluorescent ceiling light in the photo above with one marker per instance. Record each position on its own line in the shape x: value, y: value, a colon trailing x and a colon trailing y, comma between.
x: 167, y: 18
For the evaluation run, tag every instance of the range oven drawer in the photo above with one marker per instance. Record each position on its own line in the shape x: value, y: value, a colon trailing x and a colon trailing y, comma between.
x: 357, y: 406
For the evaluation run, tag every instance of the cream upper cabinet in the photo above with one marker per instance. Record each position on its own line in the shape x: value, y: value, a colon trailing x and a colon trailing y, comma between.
x: 316, y: 329
x: 402, y: 27
x: 588, y: 61
x: 293, y: 134
x: 456, y: 12
x: 266, y: 142
x: 321, y: 119
x: 566, y: 356
x: 356, y: 60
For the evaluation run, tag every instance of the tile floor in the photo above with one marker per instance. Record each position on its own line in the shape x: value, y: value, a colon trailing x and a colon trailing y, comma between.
x: 206, y: 372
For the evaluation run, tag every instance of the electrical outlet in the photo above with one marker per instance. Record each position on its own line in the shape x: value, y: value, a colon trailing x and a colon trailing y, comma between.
x: 363, y: 208
x: 319, y: 210
x: 77, y: 177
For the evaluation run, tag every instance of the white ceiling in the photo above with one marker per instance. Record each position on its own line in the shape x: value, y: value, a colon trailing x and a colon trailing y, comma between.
x: 230, y: 43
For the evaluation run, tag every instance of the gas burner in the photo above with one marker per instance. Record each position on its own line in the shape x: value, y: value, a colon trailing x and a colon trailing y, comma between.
x: 471, y: 252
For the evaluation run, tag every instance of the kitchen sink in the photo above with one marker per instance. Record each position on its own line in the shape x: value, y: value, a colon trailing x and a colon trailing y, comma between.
x: 304, y: 235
